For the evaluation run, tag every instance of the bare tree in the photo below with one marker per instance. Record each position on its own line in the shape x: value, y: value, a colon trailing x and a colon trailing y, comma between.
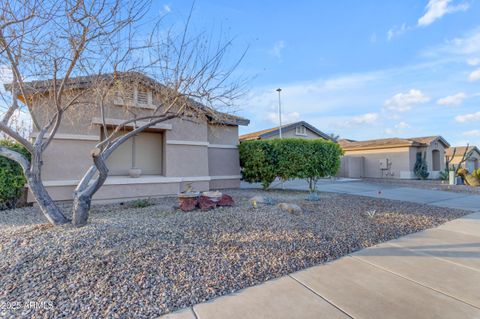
x: 192, y: 80
x: 52, y: 42
x: 464, y: 158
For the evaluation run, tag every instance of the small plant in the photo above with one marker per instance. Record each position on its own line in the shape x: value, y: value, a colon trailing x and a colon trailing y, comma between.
x: 444, y: 175
x: 371, y: 213
x: 269, y: 201
x: 421, y: 169
x: 141, y: 203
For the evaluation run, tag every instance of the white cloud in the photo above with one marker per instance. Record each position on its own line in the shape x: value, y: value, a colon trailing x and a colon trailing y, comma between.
x: 167, y: 8
x: 402, y: 102
x: 473, y: 133
x: 364, y: 119
x: 397, y: 129
x: 373, y: 38
x: 473, y: 61
x: 396, y: 31
x: 436, y: 9
x: 473, y: 117
x: 452, y: 100
x: 272, y: 117
x: 475, y: 75
x: 277, y: 49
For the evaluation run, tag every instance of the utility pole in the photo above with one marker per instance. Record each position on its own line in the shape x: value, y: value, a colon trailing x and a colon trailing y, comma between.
x: 279, y: 113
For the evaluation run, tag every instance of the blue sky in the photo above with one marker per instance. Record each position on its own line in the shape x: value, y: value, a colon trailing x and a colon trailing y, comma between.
x: 361, y: 69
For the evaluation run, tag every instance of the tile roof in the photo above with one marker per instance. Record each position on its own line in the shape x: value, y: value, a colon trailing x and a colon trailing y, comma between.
x: 461, y: 150
x: 285, y: 128
x: 390, y: 143
x: 84, y: 82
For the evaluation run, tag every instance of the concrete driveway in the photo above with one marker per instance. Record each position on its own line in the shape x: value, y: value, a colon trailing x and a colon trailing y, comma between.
x: 357, y: 187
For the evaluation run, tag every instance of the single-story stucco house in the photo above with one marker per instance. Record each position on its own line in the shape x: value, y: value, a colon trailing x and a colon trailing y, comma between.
x: 472, y: 157
x: 298, y: 129
x: 392, y: 157
x: 172, y: 155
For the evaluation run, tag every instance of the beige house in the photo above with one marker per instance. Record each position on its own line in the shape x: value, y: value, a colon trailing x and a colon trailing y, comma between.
x: 171, y: 155
x: 392, y: 157
x: 472, y: 157
x: 298, y: 129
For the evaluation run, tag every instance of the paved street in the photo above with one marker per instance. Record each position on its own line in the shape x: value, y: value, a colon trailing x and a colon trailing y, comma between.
x: 430, y: 274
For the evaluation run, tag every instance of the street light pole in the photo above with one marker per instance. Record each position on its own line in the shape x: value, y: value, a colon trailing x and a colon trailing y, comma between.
x: 279, y: 113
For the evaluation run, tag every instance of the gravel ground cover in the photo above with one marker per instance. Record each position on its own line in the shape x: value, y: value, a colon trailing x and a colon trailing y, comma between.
x: 426, y: 184
x: 143, y: 262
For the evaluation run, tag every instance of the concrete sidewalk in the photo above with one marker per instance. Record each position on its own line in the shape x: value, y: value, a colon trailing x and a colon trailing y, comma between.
x: 430, y: 274
x: 357, y: 187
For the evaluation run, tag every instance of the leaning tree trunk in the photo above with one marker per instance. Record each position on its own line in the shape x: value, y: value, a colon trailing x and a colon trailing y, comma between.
x: 43, y: 199
x: 35, y: 184
x: 82, y: 199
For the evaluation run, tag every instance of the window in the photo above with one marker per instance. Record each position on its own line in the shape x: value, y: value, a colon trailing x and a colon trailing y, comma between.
x: 301, y: 130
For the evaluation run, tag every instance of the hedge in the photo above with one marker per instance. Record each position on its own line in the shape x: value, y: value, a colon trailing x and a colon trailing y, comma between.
x: 264, y: 160
x: 12, y: 180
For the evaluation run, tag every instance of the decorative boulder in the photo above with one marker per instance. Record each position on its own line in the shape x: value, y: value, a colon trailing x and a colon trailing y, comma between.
x: 188, y: 204
x: 290, y: 208
x: 226, y: 200
x: 206, y: 203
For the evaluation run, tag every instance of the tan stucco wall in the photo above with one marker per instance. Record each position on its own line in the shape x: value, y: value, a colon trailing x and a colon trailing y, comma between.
x: 223, y: 161
x: 222, y: 184
x: 186, y: 160
x: 66, y: 159
x: 399, y: 158
x: 223, y: 134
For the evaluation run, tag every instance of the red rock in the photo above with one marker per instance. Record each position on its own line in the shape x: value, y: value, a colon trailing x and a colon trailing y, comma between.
x: 206, y: 203
x: 188, y: 204
x: 226, y: 200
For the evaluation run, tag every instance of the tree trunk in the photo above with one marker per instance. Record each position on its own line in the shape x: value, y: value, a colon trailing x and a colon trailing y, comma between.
x: 45, y: 202
x: 81, y: 208
x: 83, y: 194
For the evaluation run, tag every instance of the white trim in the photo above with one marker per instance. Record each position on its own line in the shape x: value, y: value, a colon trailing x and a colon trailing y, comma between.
x: 200, y: 143
x: 193, y: 143
x: 226, y: 177
x: 79, y: 137
x: 110, y: 121
x: 222, y: 146
x: 125, y: 180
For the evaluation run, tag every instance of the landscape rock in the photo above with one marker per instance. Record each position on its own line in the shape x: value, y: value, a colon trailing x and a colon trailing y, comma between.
x: 206, y: 203
x: 290, y: 208
x: 226, y: 200
x: 188, y: 204
x: 257, y: 199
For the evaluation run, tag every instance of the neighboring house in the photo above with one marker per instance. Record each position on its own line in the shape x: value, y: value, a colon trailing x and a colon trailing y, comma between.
x: 392, y: 157
x: 298, y: 129
x: 472, y: 157
x: 171, y: 155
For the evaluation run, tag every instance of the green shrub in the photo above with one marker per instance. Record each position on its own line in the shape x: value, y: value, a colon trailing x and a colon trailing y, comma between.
x: 258, y: 161
x: 264, y: 160
x: 12, y: 180
x: 141, y: 203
